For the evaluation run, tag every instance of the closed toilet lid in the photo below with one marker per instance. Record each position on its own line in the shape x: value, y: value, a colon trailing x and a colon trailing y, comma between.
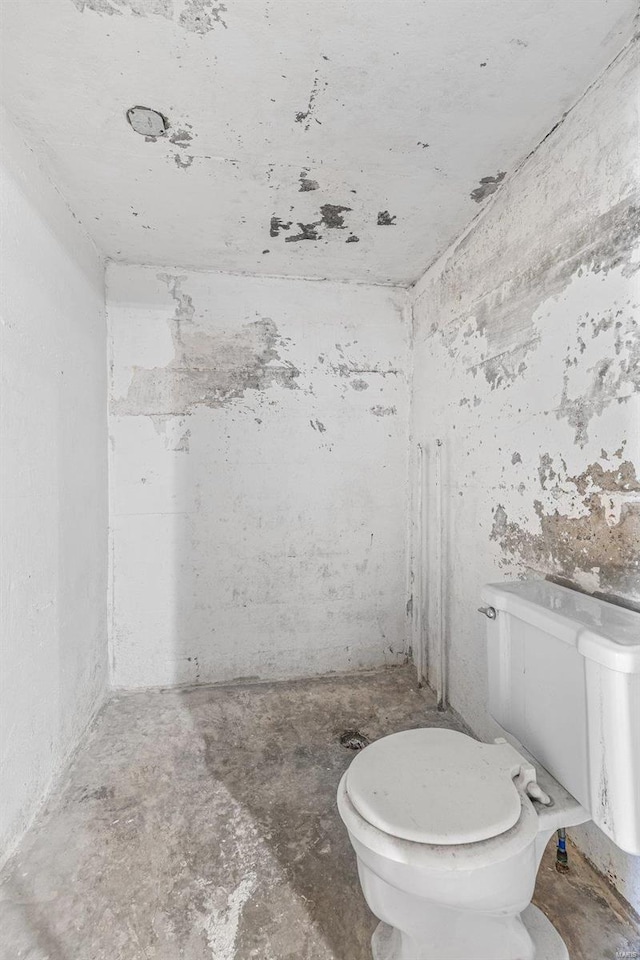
x: 436, y: 786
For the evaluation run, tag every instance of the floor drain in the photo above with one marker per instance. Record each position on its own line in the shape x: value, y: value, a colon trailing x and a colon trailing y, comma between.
x: 353, y: 740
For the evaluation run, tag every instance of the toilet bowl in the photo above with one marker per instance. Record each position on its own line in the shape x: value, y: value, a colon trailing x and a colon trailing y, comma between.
x: 448, y: 841
x: 449, y: 832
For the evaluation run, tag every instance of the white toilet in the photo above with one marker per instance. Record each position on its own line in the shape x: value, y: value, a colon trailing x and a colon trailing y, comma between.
x: 449, y: 832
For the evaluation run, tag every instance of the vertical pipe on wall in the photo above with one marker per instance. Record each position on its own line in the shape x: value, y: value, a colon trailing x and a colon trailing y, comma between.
x: 438, y: 582
x: 420, y: 646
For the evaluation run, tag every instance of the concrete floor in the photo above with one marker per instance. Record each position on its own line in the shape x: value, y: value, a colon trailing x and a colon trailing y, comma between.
x: 201, y: 825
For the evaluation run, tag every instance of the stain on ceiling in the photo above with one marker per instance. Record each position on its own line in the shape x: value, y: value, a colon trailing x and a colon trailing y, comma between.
x: 347, y: 139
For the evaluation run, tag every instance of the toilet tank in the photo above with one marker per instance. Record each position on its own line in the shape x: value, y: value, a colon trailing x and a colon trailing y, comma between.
x: 564, y: 680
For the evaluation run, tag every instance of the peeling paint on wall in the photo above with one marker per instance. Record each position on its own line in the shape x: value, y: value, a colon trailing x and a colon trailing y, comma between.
x: 306, y: 183
x: 527, y: 364
x: 277, y: 225
x: 601, y: 543
x: 380, y: 411
x: 183, y: 163
x: 185, y: 309
x: 181, y: 138
x: 611, y: 379
x: 308, y: 231
x: 225, y: 564
x: 196, y: 16
x: 497, y: 337
x: 488, y: 185
x: 332, y: 215
x: 201, y: 16
x: 305, y: 117
x: 207, y: 370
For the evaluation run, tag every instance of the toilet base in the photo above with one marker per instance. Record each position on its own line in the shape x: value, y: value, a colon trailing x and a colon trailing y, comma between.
x: 548, y: 944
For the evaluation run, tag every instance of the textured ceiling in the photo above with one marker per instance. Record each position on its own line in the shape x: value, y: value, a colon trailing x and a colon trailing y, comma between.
x: 350, y: 139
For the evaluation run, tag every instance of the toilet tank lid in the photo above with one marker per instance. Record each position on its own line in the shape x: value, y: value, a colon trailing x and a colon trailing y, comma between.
x: 600, y: 630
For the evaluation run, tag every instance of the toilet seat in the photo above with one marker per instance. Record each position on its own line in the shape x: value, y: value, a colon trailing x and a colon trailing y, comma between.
x: 436, y: 786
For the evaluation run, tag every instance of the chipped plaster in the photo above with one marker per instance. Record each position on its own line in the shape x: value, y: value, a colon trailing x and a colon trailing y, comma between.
x: 196, y: 16
x: 206, y: 370
x: 526, y: 369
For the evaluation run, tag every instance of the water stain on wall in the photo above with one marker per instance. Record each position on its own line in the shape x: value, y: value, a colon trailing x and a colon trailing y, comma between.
x: 600, y: 539
x: 208, y: 369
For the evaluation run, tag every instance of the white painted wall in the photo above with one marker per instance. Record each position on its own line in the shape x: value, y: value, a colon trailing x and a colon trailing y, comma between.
x: 526, y: 365
x: 53, y: 485
x: 258, y: 476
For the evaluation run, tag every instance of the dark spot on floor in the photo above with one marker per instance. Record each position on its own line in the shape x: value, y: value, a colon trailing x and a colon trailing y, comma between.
x: 353, y: 740
x: 385, y: 219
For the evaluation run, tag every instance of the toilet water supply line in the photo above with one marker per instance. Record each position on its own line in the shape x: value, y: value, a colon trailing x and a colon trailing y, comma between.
x: 562, y: 857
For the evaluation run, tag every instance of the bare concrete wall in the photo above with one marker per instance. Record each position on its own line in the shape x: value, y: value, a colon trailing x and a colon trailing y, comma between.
x: 526, y: 365
x: 53, y: 485
x: 258, y: 476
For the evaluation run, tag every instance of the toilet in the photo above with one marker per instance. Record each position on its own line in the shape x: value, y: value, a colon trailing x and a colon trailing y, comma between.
x: 449, y: 832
